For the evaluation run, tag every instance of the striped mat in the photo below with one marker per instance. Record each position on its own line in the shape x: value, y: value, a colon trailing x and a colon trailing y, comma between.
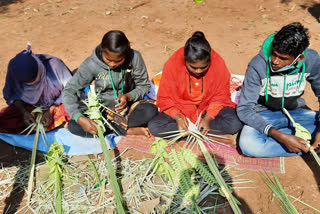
x: 224, y: 154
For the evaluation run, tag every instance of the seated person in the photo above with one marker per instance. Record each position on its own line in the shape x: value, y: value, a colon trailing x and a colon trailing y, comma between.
x: 33, y: 80
x: 120, y: 77
x: 276, y: 79
x: 195, y: 80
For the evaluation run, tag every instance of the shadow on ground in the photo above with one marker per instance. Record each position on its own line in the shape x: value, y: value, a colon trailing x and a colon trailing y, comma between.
x: 4, y: 4
x: 285, y: 1
x: 314, y: 9
x: 312, y: 6
x: 313, y: 165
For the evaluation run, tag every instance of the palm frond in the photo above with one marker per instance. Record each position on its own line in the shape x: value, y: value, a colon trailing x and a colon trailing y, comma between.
x: 39, y: 129
x: 304, y: 203
x: 94, y: 113
x: 197, y: 137
x: 283, y: 201
x: 110, y: 110
x: 304, y: 134
x: 32, y: 165
x: 56, y: 165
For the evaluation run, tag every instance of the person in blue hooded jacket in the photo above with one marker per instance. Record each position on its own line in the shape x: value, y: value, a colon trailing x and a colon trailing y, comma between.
x: 276, y: 79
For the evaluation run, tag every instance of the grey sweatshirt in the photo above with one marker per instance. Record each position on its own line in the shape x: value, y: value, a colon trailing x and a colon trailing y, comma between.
x: 94, y: 68
x: 284, y: 89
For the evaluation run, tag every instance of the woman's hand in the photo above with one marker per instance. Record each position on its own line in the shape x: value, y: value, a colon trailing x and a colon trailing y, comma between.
x: 204, y: 125
x: 181, y: 123
x: 88, y: 125
x: 123, y: 100
x: 47, y: 119
x: 28, y: 118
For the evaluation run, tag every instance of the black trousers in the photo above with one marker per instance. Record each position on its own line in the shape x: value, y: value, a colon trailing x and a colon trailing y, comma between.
x: 226, y: 122
x: 139, y: 117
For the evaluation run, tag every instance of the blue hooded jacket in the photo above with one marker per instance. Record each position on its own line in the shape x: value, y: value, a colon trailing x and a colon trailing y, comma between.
x: 263, y: 89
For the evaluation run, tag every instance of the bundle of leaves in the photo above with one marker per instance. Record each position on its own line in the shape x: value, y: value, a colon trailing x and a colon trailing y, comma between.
x: 185, y: 166
x: 37, y: 113
x: 282, y: 201
x: 195, y: 137
x: 304, y: 134
x: 55, y: 161
x: 94, y: 113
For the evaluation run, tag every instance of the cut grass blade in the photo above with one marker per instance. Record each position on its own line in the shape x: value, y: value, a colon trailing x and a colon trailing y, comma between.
x: 283, y: 201
x: 30, y: 128
x: 32, y: 165
x: 224, y: 187
x: 304, y: 203
x: 110, y: 126
x: 39, y: 129
x: 96, y: 176
x: 112, y: 175
x: 218, y: 136
x: 94, y: 114
x: 110, y: 110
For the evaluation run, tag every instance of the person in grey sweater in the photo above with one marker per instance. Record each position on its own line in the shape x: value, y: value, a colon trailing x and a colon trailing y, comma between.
x: 121, y: 79
x: 276, y: 79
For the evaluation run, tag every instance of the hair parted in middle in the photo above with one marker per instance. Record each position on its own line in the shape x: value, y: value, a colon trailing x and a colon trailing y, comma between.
x: 116, y: 41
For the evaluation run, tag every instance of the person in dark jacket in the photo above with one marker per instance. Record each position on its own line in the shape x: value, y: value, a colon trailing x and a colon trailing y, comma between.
x: 276, y: 79
x: 121, y: 79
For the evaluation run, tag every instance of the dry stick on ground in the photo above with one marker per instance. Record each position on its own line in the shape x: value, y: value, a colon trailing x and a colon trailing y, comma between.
x: 139, y: 5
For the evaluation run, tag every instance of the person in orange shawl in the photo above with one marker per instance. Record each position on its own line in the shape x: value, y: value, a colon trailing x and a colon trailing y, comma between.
x: 195, y: 80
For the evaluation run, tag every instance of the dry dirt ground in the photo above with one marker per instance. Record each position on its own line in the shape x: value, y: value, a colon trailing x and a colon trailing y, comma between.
x: 236, y: 29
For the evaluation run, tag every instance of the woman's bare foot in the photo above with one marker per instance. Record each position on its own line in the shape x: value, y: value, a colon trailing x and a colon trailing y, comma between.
x: 139, y: 131
x: 66, y: 125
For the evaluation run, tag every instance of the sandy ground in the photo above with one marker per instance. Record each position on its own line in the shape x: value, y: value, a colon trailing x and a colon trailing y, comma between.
x: 236, y: 29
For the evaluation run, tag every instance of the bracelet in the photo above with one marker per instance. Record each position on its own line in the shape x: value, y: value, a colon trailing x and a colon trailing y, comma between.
x: 180, y: 118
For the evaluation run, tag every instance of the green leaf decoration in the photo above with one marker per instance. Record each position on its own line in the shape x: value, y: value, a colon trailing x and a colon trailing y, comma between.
x: 94, y: 114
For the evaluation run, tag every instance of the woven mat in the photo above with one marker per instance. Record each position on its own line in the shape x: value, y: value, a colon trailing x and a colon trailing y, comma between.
x: 224, y: 154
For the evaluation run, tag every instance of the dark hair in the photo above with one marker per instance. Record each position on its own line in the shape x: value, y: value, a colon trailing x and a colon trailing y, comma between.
x: 116, y: 41
x: 291, y: 40
x: 197, y: 48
